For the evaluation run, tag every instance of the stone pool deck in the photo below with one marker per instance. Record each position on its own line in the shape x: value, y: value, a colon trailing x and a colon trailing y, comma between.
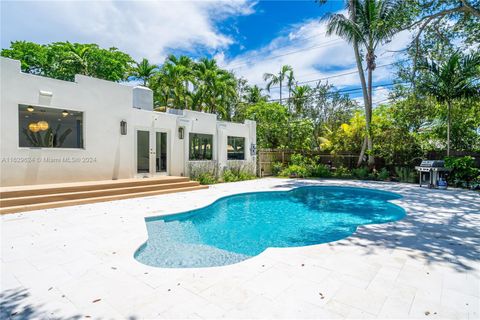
x: 77, y: 262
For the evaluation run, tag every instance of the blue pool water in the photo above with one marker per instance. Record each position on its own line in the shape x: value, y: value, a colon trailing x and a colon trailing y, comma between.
x: 238, y: 227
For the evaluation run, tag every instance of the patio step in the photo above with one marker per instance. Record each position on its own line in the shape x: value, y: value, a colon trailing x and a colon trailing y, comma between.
x: 28, y: 198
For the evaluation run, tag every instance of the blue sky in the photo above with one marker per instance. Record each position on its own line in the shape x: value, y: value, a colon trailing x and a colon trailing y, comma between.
x: 249, y: 38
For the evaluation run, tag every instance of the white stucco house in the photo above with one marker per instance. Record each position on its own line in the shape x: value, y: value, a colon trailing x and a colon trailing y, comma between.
x: 59, y: 131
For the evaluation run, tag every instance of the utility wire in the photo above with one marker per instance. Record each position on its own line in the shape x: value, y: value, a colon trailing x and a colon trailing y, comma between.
x: 339, y: 91
x: 336, y: 75
x: 244, y: 61
x: 323, y: 45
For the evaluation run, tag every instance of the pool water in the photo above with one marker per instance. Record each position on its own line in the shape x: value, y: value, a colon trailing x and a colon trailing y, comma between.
x: 241, y: 226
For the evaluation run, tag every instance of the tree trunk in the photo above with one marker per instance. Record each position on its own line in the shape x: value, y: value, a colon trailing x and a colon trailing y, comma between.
x: 362, y: 152
x: 448, y: 127
x: 368, y: 120
x: 280, y: 91
x: 186, y: 94
x: 366, y: 98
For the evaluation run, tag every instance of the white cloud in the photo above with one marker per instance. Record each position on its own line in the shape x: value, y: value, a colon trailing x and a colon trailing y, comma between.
x: 141, y: 28
x: 312, y: 55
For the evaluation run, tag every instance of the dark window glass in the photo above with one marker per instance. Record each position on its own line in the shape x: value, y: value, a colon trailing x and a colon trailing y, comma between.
x: 42, y: 127
x: 235, y: 148
x: 201, y: 146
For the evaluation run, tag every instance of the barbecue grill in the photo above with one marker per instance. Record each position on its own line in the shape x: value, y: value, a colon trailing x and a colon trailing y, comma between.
x: 432, y: 172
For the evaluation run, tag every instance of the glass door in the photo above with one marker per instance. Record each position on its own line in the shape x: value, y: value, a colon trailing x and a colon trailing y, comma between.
x: 143, y: 152
x: 160, y: 152
x: 151, y: 148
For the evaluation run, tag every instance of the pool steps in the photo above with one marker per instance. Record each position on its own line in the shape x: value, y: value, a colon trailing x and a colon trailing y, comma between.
x: 36, y: 197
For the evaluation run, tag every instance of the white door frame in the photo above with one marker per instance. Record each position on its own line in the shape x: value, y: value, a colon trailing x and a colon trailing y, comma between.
x: 152, y: 152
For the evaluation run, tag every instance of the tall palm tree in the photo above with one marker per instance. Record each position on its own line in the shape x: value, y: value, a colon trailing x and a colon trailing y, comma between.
x: 454, y: 79
x: 184, y: 66
x: 290, y: 84
x: 369, y: 24
x: 216, y: 88
x: 143, y: 71
x: 274, y: 79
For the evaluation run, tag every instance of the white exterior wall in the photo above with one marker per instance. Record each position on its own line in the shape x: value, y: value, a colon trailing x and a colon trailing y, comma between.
x: 106, y: 154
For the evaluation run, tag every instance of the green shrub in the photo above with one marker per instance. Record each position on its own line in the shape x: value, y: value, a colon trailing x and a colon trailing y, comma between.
x: 320, y: 171
x: 205, y: 178
x: 298, y: 159
x: 383, y: 174
x: 277, y: 167
x: 342, y: 172
x: 406, y: 174
x: 231, y: 175
x: 360, y: 173
x: 464, y: 172
x: 295, y: 170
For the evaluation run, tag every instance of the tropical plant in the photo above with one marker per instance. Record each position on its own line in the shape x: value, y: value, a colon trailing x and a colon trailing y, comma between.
x: 143, y: 71
x: 286, y: 71
x: 63, y: 60
x: 369, y: 24
x: 455, y: 78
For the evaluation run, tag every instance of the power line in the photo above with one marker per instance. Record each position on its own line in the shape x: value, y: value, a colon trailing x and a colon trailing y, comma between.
x: 245, y: 60
x: 336, y: 75
x: 323, y: 45
x: 342, y: 91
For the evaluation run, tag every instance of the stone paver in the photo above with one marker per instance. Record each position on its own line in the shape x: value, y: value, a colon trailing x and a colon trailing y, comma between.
x: 78, y: 261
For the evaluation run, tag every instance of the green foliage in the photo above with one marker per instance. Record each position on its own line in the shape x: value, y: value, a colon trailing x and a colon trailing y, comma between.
x: 272, y: 121
x: 232, y: 175
x: 206, y: 178
x: 360, y: 173
x: 342, y: 172
x: 302, y: 167
x: 277, y: 167
x: 62, y: 60
x: 463, y: 172
x: 383, y: 174
x: 320, y: 171
x: 295, y: 171
x: 406, y: 174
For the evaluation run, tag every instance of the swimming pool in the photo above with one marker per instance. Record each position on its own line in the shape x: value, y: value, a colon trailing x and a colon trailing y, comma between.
x: 238, y: 227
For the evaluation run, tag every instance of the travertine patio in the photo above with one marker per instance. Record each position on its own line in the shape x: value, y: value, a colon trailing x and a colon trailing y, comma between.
x: 77, y: 262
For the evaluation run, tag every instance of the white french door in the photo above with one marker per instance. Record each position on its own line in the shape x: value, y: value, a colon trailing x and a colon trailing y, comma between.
x: 152, y: 157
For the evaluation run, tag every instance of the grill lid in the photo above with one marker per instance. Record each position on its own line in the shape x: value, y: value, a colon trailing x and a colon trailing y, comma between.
x: 433, y: 163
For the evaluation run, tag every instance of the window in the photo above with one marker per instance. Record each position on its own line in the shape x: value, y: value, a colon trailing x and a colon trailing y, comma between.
x: 41, y: 127
x: 201, y: 146
x: 235, y: 148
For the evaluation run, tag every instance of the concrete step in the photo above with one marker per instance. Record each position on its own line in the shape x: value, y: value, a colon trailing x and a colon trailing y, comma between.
x: 43, y: 189
x: 62, y: 195
x: 65, y: 203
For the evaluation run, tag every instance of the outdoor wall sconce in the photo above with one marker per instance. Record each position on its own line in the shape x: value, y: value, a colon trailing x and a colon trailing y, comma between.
x: 181, y: 133
x: 123, y: 127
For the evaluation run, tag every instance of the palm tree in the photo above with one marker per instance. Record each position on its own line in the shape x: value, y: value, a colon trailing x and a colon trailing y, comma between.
x: 215, y: 88
x: 274, y: 79
x: 78, y: 54
x: 254, y: 94
x: 143, y: 71
x: 290, y: 84
x: 454, y: 79
x: 184, y: 66
x: 369, y: 24
x: 300, y: 97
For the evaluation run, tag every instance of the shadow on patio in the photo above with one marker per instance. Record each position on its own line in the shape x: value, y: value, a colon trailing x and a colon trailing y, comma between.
x: 440, y: 226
